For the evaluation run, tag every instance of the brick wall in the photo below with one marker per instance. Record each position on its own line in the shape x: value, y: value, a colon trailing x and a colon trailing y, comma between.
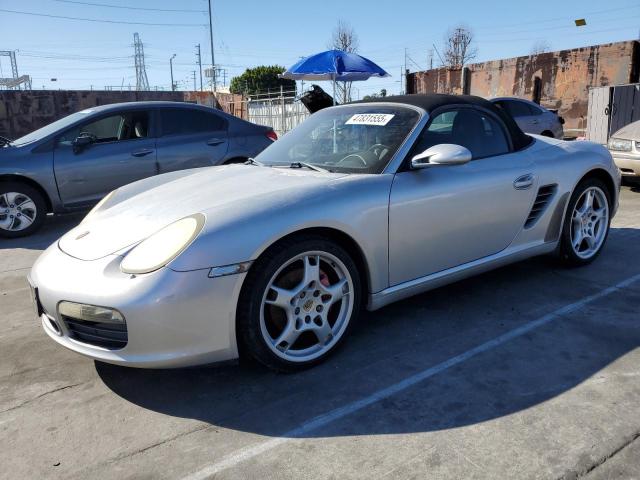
x: 565, y: 77
x: 24, y: 111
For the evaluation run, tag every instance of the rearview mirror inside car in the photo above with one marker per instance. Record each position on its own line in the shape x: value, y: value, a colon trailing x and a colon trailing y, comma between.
x: 442, y: 154
x: 81, y: 142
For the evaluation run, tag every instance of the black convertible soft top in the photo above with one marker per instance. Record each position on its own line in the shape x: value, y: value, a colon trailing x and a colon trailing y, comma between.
x: 433, y: 101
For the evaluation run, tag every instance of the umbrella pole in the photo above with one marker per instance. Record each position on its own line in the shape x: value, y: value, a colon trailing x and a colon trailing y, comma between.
x: 334, y: 90
x: 335, y: 140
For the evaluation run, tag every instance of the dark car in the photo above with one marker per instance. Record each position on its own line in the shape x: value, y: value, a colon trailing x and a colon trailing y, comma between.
x: 72, y: 163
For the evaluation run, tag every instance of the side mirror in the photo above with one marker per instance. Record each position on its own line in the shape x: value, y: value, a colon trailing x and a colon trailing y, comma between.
x: 81, y: 142
x: 442, y: 154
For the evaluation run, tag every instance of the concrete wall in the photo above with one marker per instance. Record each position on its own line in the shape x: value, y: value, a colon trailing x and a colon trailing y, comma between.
x: 565, y: 77
x: 24, y: 111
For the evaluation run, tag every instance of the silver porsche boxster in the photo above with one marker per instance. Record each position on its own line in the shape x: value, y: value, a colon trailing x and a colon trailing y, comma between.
x: 361, y: 205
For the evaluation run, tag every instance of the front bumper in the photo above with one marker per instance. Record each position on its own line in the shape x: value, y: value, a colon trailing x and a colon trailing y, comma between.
x: 173, y: 319
x: 629, y: 164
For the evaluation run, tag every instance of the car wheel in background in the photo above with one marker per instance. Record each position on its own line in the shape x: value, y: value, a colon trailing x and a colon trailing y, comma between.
x: 298, y: 302
x: 586, y: 224
x: 22, y: 209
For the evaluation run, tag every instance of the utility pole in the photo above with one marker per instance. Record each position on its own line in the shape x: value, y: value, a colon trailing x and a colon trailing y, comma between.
x: 199, y: 64
x: 194, y: 81
x: 173, y: 85
x: 430, y: 58
x: 439, y: 56
x: 213, y: 61
x: 404, y: 70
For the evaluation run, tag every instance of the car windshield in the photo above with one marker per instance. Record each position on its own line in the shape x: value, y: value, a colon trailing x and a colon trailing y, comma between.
x: 51, y: 128
x: 348, y: 139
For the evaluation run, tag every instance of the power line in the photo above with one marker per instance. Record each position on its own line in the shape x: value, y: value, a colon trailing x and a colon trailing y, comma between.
x: 107, y: 5
x: 97, y: 20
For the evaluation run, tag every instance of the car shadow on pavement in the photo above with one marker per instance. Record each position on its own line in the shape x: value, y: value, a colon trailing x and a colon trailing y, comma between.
x: 54, y: 227
x: 411, y: 336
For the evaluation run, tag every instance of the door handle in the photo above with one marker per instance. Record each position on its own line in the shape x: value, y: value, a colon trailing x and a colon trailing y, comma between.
x: 523, y: 182
x: 142, y: 152
x: 215, y: 141
x: 535, y: 122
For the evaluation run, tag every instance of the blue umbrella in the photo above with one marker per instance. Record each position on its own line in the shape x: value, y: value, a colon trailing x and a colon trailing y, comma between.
x: 334, y: 65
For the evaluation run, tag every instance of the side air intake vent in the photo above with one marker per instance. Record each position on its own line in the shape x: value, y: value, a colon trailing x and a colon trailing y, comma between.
x: 545, y: 194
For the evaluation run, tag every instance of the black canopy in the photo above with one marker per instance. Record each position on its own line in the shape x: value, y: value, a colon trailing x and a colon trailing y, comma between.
x: 433, y: 101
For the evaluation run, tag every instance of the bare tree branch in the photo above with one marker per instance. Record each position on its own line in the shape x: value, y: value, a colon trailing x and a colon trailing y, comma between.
x: 458, y: 47
x: 344, y: 38
x: 541, y: 46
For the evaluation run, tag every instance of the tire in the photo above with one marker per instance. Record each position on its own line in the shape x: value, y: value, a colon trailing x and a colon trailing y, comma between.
x: 579, y: 225
x: 309, y: 316
x: 19, y: 202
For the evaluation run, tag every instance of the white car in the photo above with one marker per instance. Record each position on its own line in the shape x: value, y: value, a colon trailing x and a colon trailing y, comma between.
x: 531, y: 117
x: 624, y: 146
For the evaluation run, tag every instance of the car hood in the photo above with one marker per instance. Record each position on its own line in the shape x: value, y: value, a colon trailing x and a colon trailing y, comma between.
x: 629, y: 132
x: 223, y: 194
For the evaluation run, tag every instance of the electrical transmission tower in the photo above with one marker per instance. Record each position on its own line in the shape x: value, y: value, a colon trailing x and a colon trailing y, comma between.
x: 15, y: 81
x: 142, y: 82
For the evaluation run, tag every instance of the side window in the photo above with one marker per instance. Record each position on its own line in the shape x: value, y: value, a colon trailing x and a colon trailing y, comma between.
x: 533, y: 110
x: 183, y: 121
x: 517, y: 109
x: 123, y: 126
x: 475, y: 130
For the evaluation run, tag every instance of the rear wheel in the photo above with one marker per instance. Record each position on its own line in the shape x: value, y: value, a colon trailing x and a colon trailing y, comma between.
x: 586, y: 225
x: 298, y: 303
x: 22, y: 210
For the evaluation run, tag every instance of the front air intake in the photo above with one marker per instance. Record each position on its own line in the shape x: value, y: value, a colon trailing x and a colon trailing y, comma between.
x: 543, y: 198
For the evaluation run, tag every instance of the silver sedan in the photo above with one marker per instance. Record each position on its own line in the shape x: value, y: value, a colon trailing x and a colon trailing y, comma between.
x: 362, y: 205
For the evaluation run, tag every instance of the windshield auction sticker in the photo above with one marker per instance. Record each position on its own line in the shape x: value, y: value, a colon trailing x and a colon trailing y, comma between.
x: 380, y: 119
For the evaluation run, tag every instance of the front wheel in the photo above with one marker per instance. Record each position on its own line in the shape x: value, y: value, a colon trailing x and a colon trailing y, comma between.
x: 22, y: 210
x: 586, y: 223
x: 298, y: 302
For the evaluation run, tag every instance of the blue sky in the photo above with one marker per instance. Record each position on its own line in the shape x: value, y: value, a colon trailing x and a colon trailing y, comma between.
x: 247, y: 33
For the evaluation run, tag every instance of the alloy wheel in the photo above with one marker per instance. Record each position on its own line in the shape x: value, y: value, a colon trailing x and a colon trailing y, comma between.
x: 17, y: 211
x: 589, y: 222
x: 306, y: 306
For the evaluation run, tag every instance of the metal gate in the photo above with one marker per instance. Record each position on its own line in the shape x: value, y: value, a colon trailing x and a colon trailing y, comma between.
x: 282, y: 112
x: 610, y: 109
x: 598, y: 114
x: 625, y: 107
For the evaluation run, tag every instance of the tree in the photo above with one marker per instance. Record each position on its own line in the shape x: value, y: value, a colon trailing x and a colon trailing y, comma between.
x: 541, y: 46
x: 344, y: 38
x: 382, y: 94
x: 458, y: 47
x: 260, y: 80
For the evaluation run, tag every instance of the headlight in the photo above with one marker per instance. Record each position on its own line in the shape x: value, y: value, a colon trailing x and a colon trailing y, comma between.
x: 619, y: 145
x: 99, y: 205
x: 163, y: 246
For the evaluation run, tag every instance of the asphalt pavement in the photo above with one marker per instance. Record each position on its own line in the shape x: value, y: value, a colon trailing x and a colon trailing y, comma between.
x: 529, y: 371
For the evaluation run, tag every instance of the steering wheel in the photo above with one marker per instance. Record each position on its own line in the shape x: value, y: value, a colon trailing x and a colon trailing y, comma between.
x: 89, y: 135
x: 354, y: 155
x: 377, y: 149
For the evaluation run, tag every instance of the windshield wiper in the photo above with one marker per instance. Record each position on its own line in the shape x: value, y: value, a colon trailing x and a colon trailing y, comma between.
x: 309, y: 166
x: 253, y: 161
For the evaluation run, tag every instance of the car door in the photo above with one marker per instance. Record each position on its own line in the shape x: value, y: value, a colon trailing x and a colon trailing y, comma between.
x: 444, y: 216
x: 122, y: 150
x: 190, y: 138
x: 521, y: 113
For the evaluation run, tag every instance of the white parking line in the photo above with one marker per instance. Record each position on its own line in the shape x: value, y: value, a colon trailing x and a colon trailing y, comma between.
x: 338, y: 413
